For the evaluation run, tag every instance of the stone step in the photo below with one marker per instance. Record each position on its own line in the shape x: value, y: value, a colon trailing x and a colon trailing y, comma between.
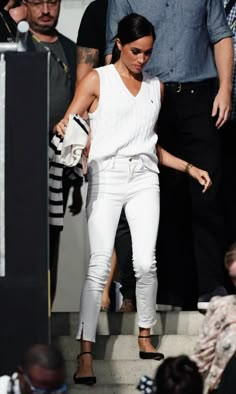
x: 116, y: 360
x: 168, y: 323
x: 127, y: 372
x: 103, y: 389
x: 124, y: 347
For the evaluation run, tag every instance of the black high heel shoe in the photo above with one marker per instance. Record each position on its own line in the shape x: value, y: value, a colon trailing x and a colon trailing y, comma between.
x: 88, y: 380
x: 150, y: 355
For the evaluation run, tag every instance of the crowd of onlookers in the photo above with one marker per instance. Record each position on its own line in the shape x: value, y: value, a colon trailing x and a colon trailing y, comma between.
x: 42, y: 370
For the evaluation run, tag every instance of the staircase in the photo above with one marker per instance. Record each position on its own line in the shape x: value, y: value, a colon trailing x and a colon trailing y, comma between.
x: 116, y: 362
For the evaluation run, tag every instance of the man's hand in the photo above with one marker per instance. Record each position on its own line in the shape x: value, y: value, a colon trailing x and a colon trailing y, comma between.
x: 224, y: 54
x: 221, y: 108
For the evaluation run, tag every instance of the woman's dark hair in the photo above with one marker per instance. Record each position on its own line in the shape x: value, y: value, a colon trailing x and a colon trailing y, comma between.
x: 131, y: 28
x: 178, y: 375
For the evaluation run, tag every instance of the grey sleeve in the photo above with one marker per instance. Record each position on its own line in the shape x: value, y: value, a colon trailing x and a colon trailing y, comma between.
x: 217, y: 24
x: 116, y: 10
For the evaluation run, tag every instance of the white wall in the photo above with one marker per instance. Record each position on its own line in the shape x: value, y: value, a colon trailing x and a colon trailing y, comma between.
x: 74, y: 249
x: 73, y: 260
x: 70, y: 16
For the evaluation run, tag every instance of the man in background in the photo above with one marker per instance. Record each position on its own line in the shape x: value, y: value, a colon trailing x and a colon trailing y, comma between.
x: 193, y: 48
x: 91, y: 38
x: 42, y: 17
x: 228, y: 136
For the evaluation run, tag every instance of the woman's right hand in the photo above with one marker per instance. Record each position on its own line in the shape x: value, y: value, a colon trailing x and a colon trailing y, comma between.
x: 60, y: 127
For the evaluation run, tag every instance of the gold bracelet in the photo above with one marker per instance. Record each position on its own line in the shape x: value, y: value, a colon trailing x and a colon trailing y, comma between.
x: 187, y: 168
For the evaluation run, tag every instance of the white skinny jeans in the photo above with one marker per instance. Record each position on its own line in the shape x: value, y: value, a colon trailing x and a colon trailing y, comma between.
x: 115, y: 183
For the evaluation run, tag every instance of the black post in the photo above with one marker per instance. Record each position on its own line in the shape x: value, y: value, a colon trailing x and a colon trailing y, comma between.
x: 24, y: 311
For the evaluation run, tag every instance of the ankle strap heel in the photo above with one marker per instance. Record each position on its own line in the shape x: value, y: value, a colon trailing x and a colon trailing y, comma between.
x: 149, y: 355
x: 87, y: 380
x: 81, y: 354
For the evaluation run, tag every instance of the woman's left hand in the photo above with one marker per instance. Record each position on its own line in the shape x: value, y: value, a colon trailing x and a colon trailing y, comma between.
x: 201, y: 176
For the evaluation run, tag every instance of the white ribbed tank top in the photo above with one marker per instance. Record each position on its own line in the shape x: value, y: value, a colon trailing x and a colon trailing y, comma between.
x: 123, y: 124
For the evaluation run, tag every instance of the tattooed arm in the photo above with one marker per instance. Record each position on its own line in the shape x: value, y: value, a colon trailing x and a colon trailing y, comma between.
x: 87, y: 59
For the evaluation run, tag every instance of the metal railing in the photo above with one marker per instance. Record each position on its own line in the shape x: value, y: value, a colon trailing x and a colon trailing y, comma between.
x: 20, y: 45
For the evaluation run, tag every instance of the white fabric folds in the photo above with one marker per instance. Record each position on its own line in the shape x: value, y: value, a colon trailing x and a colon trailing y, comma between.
x: 65, y: 160
x: 75, y: 140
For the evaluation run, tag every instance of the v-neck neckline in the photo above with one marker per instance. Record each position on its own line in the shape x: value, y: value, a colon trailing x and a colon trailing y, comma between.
x: 125, y: 86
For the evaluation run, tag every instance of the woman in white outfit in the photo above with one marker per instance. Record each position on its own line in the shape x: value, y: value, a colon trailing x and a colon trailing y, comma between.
x: 123, y: 104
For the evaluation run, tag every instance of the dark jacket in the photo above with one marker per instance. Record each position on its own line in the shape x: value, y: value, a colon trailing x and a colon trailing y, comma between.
x: 7, y: 27
x: 69, y: 48
x: 70, y: 175
x: 228, y: 380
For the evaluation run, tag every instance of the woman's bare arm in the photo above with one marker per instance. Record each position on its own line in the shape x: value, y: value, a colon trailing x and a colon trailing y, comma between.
x: 167, y: 159
x: 85, y: 98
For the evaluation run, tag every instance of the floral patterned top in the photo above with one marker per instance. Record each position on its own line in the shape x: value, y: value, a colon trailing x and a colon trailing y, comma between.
x: 217, y: 340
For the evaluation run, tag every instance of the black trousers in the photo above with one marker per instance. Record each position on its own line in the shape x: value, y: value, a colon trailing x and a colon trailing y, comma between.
x: 54, y: 243
x: 228, y: 139
x: 123, y: 247
x: 187, y: 130
x: 228, y: 381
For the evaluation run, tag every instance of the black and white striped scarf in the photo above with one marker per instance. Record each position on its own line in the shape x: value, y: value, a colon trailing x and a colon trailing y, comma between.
x: 77, y: 127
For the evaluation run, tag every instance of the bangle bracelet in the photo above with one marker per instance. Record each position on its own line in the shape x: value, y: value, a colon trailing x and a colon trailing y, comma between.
x: 187, y: 168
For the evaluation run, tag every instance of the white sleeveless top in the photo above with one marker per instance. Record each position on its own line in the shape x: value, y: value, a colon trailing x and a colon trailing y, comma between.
x: 123, y: 124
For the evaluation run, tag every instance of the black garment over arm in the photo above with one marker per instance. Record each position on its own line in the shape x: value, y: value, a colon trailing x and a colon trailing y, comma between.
x: 7, y: 27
